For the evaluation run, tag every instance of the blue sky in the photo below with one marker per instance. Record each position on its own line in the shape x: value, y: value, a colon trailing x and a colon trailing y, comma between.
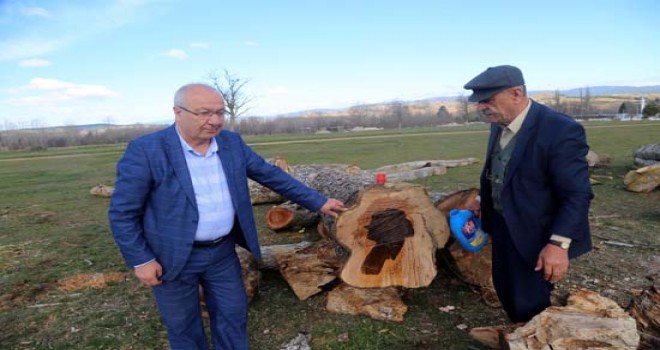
x: 120, y: 61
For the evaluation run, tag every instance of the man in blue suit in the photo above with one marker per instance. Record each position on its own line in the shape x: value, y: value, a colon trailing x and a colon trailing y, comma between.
x: 535, y: 191
x: 181, y: 203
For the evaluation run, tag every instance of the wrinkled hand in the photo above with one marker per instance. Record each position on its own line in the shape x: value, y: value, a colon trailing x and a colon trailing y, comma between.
x: 149, y: 274
x: 554, y: 262
x: 474, y: 206
x: 332, y: 207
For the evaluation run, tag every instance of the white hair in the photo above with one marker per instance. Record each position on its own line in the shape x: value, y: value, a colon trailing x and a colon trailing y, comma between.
x: 180, y: 94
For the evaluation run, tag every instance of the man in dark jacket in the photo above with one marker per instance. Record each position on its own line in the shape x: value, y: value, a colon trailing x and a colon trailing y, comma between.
x: 535, y: 191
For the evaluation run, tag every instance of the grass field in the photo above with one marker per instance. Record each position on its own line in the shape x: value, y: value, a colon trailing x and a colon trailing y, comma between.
x: 53, y: 234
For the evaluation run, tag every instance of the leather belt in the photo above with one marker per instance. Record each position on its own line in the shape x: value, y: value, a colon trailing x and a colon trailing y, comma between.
x: 206, y: 244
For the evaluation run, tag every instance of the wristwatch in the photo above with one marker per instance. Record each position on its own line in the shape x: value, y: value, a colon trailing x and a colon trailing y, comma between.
x: 562, y: 245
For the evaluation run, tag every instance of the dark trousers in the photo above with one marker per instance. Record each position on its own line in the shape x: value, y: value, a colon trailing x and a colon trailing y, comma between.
x: 523, y: 292
x: 218, y: 270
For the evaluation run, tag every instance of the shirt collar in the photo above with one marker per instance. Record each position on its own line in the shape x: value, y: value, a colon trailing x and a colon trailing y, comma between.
x: 213, y: 148
x: 517, y: 122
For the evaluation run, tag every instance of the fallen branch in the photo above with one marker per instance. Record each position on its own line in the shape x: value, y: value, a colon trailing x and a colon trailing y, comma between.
x: 619, y: 244
x: 35, y: 306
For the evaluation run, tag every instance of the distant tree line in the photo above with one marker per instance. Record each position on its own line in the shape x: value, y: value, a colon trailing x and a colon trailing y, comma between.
x: 394, y: 115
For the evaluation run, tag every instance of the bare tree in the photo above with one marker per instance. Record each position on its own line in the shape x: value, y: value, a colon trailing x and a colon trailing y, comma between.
x: 232, y: 90
x: 587, y: 100
x: 464, y: 107
x: 443, y: 115
x: 398, y: 111
x: 557, y: 101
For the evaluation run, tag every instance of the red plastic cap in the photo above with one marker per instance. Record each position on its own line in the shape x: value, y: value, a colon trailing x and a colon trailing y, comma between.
x: 380, y: 178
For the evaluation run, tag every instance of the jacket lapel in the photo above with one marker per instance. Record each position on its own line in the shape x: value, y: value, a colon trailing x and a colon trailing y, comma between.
x: 174, y: 152
x: 522, y: 139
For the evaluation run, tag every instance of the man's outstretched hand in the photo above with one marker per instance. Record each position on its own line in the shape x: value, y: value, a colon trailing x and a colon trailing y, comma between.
x: 332, y: 207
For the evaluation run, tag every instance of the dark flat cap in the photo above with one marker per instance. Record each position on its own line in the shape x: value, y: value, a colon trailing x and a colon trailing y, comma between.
x: 493, y: 80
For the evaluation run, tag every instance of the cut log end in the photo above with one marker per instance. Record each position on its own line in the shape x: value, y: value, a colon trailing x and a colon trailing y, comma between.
x: 391, y: 232
x: 279, y: 218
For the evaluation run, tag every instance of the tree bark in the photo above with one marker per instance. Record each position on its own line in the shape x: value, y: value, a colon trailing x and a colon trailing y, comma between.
x: 260, y: 194
x: 396, y: 168
x: 309, y: 269
x: 333, y: 180
x: 269, y: 252
x: 645, y: 308
x: 378, y: 303
x: 588, y: 321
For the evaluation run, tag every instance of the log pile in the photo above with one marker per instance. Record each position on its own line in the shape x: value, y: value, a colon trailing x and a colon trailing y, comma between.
x: 385, y: 241
x: 647, y: 155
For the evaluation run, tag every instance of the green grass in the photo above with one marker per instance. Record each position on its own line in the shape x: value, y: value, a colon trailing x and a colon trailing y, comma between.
x: 51, y: 228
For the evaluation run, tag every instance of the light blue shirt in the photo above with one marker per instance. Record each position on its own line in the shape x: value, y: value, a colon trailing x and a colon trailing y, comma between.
x: 214, y: 205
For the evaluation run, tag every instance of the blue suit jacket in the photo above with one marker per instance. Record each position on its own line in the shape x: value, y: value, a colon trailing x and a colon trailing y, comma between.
x: 546, y: 185
x: 153, y: 212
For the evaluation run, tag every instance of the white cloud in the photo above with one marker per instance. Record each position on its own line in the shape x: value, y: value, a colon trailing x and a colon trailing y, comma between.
x: 68, y: 90
x: 176, y: 54
x: 34, y: 62
x: 250, y: 43
x: 28, y: 48
x: 200, y: 45
x: 35, y: 11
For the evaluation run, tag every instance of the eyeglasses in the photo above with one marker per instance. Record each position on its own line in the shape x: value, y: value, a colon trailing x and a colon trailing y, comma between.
x: 206, y: 114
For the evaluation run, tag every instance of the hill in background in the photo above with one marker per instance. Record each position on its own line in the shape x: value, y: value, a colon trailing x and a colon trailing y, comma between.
x: 602, y: 99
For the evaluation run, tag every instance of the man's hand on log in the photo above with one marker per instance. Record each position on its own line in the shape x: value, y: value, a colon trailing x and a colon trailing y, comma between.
x: 332, y: 207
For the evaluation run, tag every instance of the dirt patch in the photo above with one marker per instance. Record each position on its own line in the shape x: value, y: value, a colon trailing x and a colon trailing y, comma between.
x: 93, y: 280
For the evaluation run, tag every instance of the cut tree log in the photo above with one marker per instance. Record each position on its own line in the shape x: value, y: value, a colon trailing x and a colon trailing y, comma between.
x: 589, y: 320
x: 308, y: 269
x: 401, y: 167
x: 645, y: 308
x: 268, y: 253
x: 102, y: 191
x: 391, y: 233
x: 648, y: 152
x: 260, y: 194
x: 644, y: 179
x: 334, y: 180
x: 473, y: 268
x: 647, y: 155
x: 493, y: 337
x: 249, y: 271
x: 379, y: 303
x: 415, y: 174
x: 290, y: 216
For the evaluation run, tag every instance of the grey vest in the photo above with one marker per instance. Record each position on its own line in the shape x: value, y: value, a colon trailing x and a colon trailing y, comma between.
x: 499, y: 160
